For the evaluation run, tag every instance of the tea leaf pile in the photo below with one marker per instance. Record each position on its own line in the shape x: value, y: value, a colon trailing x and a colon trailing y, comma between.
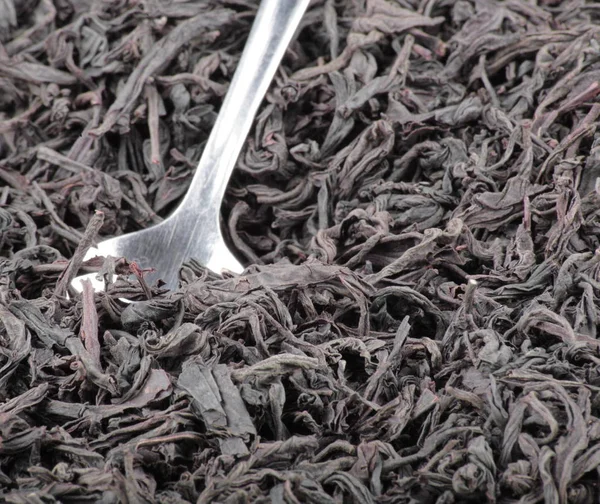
x: 418, y: 207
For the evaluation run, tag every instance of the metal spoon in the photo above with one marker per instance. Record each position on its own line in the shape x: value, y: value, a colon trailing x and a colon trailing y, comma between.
x: 192, y: 231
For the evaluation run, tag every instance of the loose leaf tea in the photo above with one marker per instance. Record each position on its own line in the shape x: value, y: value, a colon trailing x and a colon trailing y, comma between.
x: 419, y: 209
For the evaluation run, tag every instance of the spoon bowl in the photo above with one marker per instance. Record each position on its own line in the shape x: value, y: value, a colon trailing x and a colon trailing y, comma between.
x: 165, y: 247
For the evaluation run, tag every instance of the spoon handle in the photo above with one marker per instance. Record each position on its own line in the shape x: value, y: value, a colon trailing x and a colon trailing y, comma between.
x: 273, y: 28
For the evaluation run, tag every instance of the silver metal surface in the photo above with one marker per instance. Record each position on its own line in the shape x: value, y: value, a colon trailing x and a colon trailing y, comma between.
x: 193, y: 231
